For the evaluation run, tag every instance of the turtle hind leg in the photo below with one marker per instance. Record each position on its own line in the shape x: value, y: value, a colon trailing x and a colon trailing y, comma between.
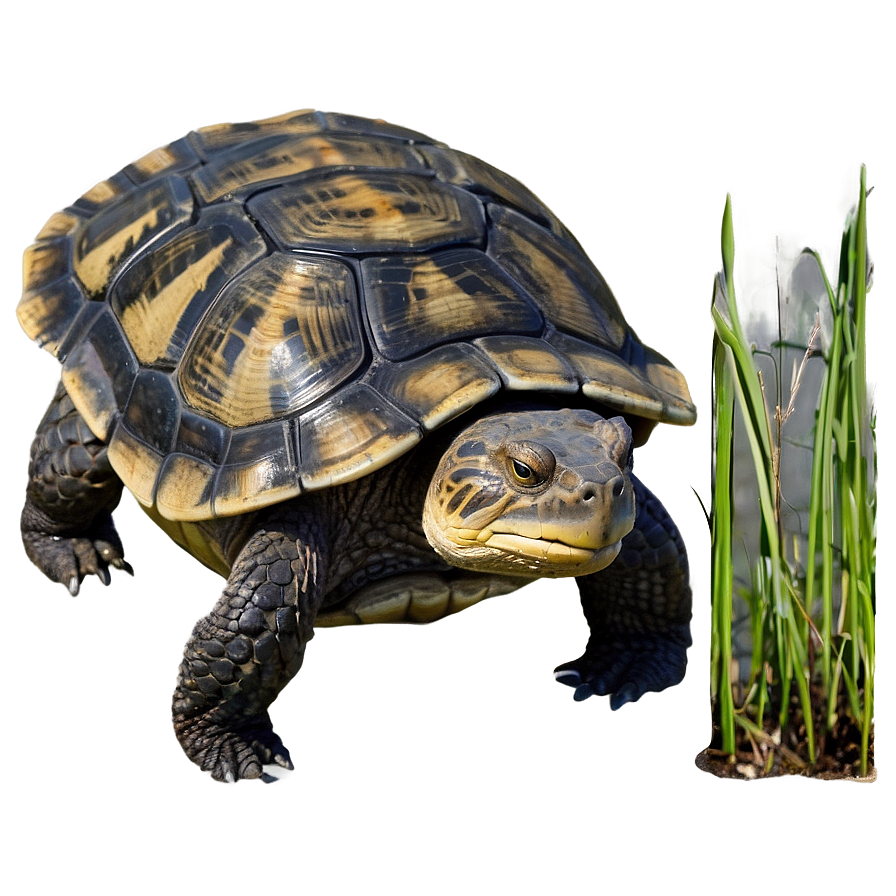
x: 638, y: 610
x: 244, y: 653
x: 66, y: 522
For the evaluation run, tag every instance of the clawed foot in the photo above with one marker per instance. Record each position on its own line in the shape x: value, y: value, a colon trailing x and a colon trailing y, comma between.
x: 626, y: 668
x: 231, y: 754
x: 69, y: 559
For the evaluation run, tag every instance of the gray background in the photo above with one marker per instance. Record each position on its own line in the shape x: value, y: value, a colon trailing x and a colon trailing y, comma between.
x: 442, y: 759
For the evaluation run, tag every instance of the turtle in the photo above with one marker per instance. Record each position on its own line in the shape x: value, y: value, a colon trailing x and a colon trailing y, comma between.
x: 366, y: 378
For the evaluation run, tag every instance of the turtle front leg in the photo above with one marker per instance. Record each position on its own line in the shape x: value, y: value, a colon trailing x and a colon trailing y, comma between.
x: 72, y: 490
x: 246, y: 651
x: 639, y: 611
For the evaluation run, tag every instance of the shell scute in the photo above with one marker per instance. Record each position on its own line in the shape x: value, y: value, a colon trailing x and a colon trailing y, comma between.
x: 63, y: 223
x: 369, y: 211
x: 175, y: 157
x: 202, y: 438
x: 162, y: 295
x: 100, y: 370
x: 438, y: 386
x: 153, y: 410
x: 261, y: 461
x: 463, y: 170
x: 116, y: 232
x: 136, y: 463
x: 185, y: 488
x: 45, y: 262
x: 247, y: 167
x: 103, y: 194
x: 371, y: 127
x: 47, y: 314
x: 217, y: 137
x: 526, y: 364
x: 417, y: 302
x: 354, y: 432
x: 565, y: 285
x: 274, y: 341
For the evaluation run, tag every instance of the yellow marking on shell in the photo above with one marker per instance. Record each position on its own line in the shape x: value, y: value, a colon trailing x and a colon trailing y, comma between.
x: 679, y: 408
x: 150, y: 322
x: 39, y: 312
x: 155, y: 161
x: 60, y: 224
x: 93, y: 267
x: 529, y: 364
x: 305, y: 339
x: 136, y: 464
x: 103, y: 192
x: 570, y: 291
x: 352, y: 212
x: 217, y: 136
x: 465, y: 170
x: 185, y: 488
x: 445, y: 304
x: 44, y: 262
x: 87, y: 383
x: 289, y: 158
x: 440, y: 385
x: 352, y: 434
x: 241, y: 489
x: 610, y: 380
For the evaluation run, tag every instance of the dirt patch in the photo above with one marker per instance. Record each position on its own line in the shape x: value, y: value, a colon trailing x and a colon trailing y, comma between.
x: 785, y: 751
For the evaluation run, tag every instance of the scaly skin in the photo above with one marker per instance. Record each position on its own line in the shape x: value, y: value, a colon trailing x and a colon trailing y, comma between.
x: 72, y: 490
x: 638, y: 610
x: 247, y: 649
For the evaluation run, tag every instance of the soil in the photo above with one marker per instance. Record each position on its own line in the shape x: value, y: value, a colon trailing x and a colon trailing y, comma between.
x: 785, y: 751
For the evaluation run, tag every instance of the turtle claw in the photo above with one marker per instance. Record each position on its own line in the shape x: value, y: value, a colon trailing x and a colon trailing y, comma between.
x: 628, y: 693
x: 569, y: 677
x: 232, y: 754
x: 284, y: 761
x: 69, y: 559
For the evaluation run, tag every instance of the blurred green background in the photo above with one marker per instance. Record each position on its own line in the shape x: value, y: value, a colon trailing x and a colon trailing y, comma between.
x: 443, y: 758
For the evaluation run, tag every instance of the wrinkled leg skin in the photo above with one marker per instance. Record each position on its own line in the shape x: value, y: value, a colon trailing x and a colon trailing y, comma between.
x: 72, y: 490
x: 245, y: 652
x: 638, y: 610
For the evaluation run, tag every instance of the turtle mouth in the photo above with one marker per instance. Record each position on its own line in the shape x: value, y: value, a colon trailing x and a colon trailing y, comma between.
x: 545, y: 555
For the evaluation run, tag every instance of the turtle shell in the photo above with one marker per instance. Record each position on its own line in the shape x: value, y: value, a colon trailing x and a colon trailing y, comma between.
x: 262, y: 309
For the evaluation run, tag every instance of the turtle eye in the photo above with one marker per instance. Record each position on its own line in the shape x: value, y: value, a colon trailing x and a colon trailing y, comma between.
x: 523, y: 473
x: 529, y: 464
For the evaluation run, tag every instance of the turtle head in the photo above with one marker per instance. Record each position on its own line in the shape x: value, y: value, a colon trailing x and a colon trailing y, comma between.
x: 533, y: 493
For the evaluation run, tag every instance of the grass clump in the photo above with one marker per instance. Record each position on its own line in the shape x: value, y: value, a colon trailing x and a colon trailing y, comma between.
x: 793, y: 548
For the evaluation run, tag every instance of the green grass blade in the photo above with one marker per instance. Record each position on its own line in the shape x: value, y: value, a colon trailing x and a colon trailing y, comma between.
x: 722, y: 582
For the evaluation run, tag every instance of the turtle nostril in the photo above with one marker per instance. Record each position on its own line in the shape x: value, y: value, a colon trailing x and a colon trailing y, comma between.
x: 618, y: 488
x: 588, y: 495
